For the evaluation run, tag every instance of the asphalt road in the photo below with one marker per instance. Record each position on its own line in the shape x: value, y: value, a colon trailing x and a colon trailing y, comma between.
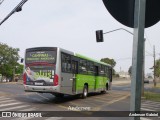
x: 13, y: 98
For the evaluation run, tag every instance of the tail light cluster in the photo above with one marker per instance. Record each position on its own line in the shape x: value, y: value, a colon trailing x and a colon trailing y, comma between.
x: 24, y: 78
x: 55, y: 83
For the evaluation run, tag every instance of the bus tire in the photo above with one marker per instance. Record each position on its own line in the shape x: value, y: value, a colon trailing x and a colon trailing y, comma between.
x: 106, y: 89
x: 85, y: 92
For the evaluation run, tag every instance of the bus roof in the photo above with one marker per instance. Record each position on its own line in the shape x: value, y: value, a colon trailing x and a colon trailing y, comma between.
x: 87, y: 58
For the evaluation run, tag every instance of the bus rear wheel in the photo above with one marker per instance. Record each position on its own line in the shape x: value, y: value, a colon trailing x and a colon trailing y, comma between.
x: 85, y: 92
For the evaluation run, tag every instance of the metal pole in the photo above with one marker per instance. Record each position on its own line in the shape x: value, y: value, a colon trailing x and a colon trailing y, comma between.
x: 143, y: 71
x: 137, y: 57
x: 13, y: 11
x: 117, y: 30
x: 154, y: 66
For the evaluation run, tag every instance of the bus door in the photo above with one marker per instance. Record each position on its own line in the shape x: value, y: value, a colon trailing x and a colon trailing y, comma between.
x: 96, y: 69
x: 110, y: 78
x: 67, y: 74
x: 74, y: 72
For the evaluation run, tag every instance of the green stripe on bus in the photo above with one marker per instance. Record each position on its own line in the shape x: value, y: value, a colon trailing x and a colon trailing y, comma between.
x: 87, y: 58
x: 94, y: 82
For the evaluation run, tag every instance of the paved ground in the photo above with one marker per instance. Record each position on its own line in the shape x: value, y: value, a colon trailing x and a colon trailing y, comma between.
x: 116, y: 100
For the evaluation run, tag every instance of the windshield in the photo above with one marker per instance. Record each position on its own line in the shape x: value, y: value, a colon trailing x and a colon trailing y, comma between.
x: 41, y: 57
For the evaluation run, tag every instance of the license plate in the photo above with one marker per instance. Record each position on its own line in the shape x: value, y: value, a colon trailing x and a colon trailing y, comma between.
x: 39, y: 83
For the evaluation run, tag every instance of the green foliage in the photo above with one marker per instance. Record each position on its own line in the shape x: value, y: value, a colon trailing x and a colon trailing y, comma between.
x: 130, y: 70
x: 112, y: 62
x: 152, y: 96
x: 157, y: 68
x: 19, y: 69
x: 8, y: 59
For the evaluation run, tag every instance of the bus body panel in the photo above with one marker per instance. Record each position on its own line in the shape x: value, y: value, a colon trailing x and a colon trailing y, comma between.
x: 85, y: 79
x: 101, y: 83
x: 36, y: 86
x: 66, y: 79
x: 67, y: 83
x: 72, y: 82
x: 42, y: 89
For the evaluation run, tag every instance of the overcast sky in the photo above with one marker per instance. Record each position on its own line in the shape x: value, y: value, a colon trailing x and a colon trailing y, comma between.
x: 71, y: 24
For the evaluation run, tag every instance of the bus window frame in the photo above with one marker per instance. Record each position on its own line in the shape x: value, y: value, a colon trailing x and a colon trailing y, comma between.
x: 62, y: 70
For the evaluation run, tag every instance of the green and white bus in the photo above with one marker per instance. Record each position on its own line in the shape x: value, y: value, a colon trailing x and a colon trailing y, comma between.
x: 58, y: 71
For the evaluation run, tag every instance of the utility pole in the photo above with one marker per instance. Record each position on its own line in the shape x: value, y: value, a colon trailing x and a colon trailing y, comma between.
x: 137, y: 59
x: 143, y: 70
x: 154, y: 66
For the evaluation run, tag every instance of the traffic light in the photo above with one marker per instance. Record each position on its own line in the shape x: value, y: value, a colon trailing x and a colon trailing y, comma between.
x: 99, y: 35
x: 22, y: 60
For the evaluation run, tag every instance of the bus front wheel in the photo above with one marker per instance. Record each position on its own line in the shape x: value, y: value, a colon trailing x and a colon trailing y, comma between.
x: 85, y: 92
x: 106, y: 89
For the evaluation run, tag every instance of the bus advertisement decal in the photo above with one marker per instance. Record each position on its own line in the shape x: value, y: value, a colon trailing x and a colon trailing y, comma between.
x: 39, y: 77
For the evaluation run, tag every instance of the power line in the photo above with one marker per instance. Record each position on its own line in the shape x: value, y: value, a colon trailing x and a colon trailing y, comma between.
x: 148, y: 40
x: 18, y: 8
x: 1, y: 1
x: 149, y: 53
x: 127, y: 58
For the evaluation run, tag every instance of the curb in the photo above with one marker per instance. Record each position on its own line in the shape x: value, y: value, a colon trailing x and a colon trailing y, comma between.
x: 19, y: 83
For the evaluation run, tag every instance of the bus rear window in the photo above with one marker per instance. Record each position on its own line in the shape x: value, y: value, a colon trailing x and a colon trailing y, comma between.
x: 41, y: 56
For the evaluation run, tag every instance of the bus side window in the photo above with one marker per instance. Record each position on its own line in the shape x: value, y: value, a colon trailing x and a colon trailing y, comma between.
x: 74, y: 67
x: 96, y: 70
x: 82, y: 66
x: 66, y: 63
x: 90, y: 68
x: 106, y: 72
x: 101, y: 70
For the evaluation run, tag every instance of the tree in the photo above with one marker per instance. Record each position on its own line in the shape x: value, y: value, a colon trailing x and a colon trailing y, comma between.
x: 130, y: 70
x: 157, y: 68
x: 8, y: 59
x: 19, y: 69
x: 112, y: 62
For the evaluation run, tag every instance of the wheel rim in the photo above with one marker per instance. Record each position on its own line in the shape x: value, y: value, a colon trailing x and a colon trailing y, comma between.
x: 85, y: 92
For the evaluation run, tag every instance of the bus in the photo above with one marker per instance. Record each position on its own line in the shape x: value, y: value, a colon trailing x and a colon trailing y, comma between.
x: 58, y: 71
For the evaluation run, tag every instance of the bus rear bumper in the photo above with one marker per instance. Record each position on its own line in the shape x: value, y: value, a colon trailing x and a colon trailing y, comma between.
x: 42, y: 89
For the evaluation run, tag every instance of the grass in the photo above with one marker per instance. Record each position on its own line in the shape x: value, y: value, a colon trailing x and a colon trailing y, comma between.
x: 152, y: 96
x: 158, y: 86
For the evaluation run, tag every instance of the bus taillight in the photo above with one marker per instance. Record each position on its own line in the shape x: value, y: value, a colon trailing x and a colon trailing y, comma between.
x: 24, y: 78
x: 55, y: 83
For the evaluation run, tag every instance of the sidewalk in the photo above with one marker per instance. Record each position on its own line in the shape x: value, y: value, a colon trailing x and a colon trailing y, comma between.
x: 121, y: 81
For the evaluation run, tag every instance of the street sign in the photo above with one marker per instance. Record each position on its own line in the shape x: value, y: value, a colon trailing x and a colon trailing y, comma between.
x: 123, y: 11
